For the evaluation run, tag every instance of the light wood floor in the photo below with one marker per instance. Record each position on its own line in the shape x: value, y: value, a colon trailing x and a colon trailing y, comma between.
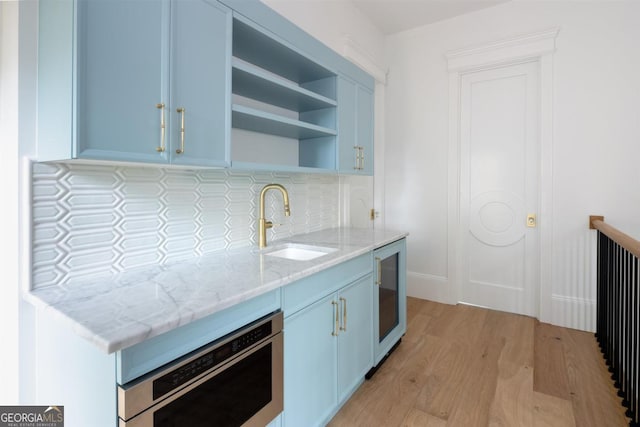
x: 465, y: 366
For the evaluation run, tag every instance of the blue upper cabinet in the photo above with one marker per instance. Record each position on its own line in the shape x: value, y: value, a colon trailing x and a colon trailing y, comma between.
x: 284, y: 104
x: 287, y: 101
x: 200, y: 79
x: 364, y: 125
x: 121, y: 78
x: 197, y: 83
x: 355, y: 128
x: 141, y: 70
x: 293, y: 37
x: 348, y: 154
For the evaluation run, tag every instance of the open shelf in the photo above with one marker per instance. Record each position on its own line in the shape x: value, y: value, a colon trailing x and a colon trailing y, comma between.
x: 255, y: 83
x: 284, y: 111
x: 256, y: 47
x: 263, y: 122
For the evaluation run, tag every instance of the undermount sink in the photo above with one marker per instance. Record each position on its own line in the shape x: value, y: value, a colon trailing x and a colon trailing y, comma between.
x: 299, y: 252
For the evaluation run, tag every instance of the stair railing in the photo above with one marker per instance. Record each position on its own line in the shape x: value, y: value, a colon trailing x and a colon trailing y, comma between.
x: 618, y: 316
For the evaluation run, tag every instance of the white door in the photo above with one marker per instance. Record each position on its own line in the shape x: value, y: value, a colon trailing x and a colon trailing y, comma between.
x: 499, y: 152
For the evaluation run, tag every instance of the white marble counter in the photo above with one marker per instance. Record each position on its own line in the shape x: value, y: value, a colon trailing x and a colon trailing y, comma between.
x: 119, y: 311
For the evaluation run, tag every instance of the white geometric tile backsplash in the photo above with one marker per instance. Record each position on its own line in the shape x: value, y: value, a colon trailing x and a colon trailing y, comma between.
x: 95, y: 220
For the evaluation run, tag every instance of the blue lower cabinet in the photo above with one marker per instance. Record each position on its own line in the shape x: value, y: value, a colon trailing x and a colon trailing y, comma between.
x: 277, y: 422
x: 355, y: 339
x: 328, y: 349
x: 310, y: 368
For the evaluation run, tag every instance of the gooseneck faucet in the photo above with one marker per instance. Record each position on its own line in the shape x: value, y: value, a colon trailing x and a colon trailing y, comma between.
x: 263, y: 224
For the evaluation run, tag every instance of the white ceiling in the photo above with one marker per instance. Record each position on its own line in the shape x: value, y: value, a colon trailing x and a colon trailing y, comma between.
x: 392, y: 16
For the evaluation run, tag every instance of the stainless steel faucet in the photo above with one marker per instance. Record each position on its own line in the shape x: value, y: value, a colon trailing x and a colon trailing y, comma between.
x: 263, y: 224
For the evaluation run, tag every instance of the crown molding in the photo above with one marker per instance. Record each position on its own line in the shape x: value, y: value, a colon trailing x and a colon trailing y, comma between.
x: 356, y: 54
x: 524, y: 46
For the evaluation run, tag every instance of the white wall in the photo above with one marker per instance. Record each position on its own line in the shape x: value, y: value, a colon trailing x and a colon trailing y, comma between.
x: 17, y: 136
x: 9, y: 196
x: 331, y: 21
x: 596, y: 137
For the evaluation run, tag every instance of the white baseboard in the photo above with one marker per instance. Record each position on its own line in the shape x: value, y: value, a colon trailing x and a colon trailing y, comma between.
x: 568, y: 312
x: 430, y: 287
x: 575, y: 313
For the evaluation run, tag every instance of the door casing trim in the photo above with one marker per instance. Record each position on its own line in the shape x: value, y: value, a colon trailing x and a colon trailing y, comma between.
x: 538, y: 47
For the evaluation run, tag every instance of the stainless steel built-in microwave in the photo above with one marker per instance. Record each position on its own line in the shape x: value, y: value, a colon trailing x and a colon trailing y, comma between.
x: 234, y: 381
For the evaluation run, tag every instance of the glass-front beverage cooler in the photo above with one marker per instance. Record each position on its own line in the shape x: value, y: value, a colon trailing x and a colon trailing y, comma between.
x: 390, y: 304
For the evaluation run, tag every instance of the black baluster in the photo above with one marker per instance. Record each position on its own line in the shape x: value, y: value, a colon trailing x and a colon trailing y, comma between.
x: 635, y: 414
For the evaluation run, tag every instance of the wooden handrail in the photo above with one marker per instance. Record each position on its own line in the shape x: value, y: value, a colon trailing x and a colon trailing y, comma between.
x: 629, y: 243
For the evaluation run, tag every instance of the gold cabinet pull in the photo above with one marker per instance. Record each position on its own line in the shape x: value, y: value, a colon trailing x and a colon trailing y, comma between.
x: 379, y: 266
x: 337, y: 318
x: 344, y: 314
x: 359, y: 157
x: 181, y: 149
x: 161, y: 148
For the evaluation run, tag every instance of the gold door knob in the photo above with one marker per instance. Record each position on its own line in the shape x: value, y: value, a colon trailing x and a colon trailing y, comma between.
x: 531, y: 220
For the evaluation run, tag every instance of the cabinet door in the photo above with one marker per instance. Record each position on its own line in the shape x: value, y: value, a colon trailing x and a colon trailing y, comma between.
x: 121, y: 63
x: 355, y: 128
x: 200, y: 83
x: 355, y: 341
x: 364, y: 133
x: 346, y: 126
x: 310, y: 364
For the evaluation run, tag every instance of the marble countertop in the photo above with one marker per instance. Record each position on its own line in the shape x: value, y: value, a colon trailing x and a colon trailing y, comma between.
x: 122, y: 310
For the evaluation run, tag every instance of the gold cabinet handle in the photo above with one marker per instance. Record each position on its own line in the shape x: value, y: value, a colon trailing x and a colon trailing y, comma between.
x: 379, y: 267
x: 344, y: 314
x: 181, y: 149
x: 337, y: 318
x: 359, y: 157
x: 161, y: 148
